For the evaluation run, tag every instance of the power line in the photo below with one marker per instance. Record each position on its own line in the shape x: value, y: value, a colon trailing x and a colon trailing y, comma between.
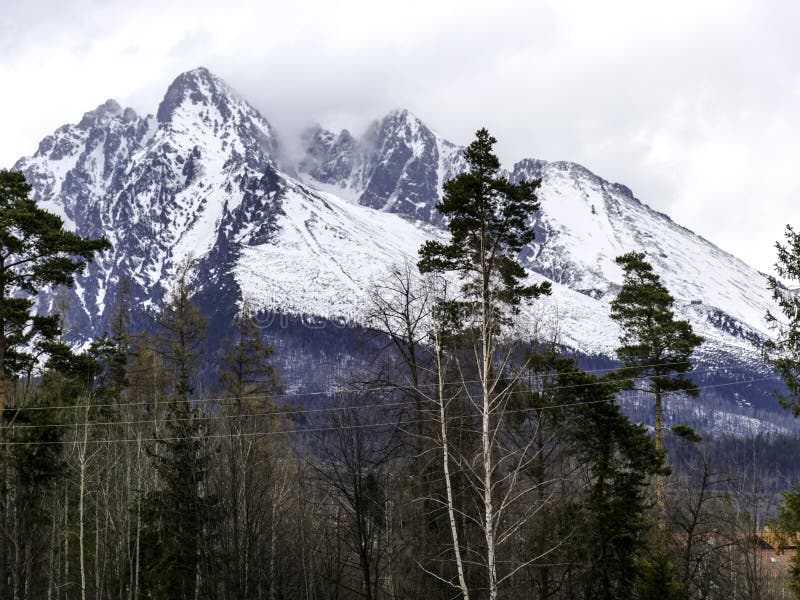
x: 312, y: 430
x: 328, y: 392
x: 283, y: 431
x: 302, y: 411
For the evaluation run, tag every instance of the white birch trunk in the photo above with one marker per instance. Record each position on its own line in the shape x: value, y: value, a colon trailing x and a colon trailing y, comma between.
x: 81, y: 493
x: 138, y: 515
x: 462, y: 582
x: 487, y: 355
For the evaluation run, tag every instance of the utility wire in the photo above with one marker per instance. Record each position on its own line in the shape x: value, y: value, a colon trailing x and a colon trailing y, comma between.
x: 307, y: 411
x: 331, y: 392
x: 301, y: 411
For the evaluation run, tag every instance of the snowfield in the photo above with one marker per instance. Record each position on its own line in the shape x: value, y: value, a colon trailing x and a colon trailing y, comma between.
x: 205, y: 179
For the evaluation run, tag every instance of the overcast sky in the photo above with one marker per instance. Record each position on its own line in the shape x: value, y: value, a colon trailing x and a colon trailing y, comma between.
x: 695, y: 105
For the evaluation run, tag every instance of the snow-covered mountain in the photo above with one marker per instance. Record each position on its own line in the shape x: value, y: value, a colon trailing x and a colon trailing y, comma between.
x: 585, y: 222
x: 397, y: 166
x: 202, y: 179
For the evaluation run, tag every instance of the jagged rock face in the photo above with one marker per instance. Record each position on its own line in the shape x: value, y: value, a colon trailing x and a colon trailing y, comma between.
x: 397, y: 166
x: 200, y: 180
x: 158, y: 188
x: 585, y: 222
x: 330, y: 158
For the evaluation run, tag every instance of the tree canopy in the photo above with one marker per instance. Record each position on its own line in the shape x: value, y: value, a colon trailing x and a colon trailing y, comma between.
x: 35, y: 252
x: 783, y: 352
x: 488, y: 217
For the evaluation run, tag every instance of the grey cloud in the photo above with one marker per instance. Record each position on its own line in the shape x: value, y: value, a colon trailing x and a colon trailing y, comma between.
x: 677, y: 104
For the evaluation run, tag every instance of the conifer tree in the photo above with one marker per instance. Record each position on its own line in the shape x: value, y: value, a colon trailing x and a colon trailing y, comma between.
x: 783, y: 351
x: 655, y: 346
x: 180, y: 513
x: 113, y: 350
x: 621, y: 457
x: 36, y: 252
x: 489, y: 223
x: 250, y: 483
x: 247, y: 374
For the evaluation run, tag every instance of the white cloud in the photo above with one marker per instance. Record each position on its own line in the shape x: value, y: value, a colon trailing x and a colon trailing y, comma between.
x: 692, y: 105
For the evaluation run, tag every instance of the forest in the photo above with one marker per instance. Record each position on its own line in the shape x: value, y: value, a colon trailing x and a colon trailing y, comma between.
x: 471, y: 459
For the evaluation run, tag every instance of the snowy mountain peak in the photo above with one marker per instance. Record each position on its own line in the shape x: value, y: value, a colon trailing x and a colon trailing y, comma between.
x: 200, y: 180
x: 199, y: 101
x: 402, y: 120
x: 398, y: 165
x: 109, y: 109
x: 159, y: 188
x: 197, y: 85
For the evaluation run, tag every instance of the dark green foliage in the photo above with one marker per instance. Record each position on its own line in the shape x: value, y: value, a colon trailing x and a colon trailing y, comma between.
x: 621, y: 457
x: 657, y: 579
x: 36, y: 455
x: 783, y: 352
x: 653, y: 343
x: 35, y: 251
x: 180, y: 515
x: 686, y: 432
x: 113, y: 351
x: 489, y: 223
x: 787, y: 527
x: 111, y: 358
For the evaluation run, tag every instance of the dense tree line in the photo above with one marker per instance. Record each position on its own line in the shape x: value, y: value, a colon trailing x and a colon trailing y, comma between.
x: 471, y: 459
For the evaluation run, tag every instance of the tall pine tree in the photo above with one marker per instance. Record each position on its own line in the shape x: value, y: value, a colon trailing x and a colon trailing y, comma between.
x: 783, y: 351
x: 36, y: 253
x: 181, y: 514
x: 489, y: 220
x: 655, y: 346
x: 620, y: 456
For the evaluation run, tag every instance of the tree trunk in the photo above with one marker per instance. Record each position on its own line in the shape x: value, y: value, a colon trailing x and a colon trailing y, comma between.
x: 661, y: 500
x: 81, y: 493
x: 3, y: 471
x: 4, y: 525
x: 137, y: 549
x: 273, y: 592
x: 462, y: 582
x: 487, y: 351
x: 52, y: 576
x: 65, y: 583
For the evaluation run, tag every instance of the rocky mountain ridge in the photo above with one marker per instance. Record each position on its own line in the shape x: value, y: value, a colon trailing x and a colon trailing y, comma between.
x: 202, y: 178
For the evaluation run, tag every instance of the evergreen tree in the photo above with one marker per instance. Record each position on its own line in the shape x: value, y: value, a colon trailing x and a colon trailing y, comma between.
x: 180, y: 515
x: 489, y: 223
x: 36, y: 253
x: 249, y: 478
x: 654, y: 345
x: 783, y: 352
x: 787, y: 527
x: 113, y: 350
x: 620, y: 456
x: 247, y: 374
x: 656, y: 579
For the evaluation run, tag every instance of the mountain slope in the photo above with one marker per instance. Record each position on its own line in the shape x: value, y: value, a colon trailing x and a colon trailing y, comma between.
x: 584, y: 223
x: 201, y: 179
x: 157, y: 187
x: 397, y: 166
